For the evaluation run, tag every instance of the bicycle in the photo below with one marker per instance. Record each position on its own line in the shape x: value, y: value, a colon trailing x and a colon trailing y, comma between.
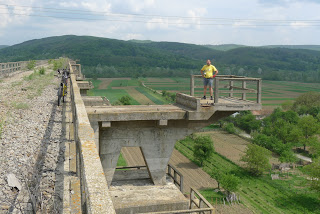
x: 62, y: 91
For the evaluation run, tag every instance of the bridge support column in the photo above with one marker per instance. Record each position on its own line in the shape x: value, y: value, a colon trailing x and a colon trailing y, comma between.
x: 156, y: 143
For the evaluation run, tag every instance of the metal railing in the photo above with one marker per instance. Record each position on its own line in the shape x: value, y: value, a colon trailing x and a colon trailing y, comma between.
x: 173, y: 173
x: 197, y: 204
x: 200, y: 202
x: 202, y: 206
x: 231, y: 79
x: 174, y: 176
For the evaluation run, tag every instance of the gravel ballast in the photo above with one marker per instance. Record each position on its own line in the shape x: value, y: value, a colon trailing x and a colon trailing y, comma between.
x: 31, y: 144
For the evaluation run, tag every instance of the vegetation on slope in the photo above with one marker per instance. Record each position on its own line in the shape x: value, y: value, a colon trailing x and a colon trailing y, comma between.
x: 102, y: 57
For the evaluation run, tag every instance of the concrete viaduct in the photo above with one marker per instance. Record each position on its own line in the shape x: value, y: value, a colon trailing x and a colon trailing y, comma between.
x: 101, y: 130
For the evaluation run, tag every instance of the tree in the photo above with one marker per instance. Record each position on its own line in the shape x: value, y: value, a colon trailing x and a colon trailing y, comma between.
x: 218, y: 176
x: 125, y: 100
x: 313, y: 170
x: 202, y: 149
x: 287, y: 156
x: 287, y: 105
x: 314, y: 146
x: 256, y: 159
x: 309, y: 127
x: 230, y: 182
x: 308, y: 103
x: 247, y: 122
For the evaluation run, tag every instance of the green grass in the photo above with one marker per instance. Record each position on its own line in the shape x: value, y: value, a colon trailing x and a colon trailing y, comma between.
x: 121, y: 161
x: 124, y: 83
x: 95, y: 83
x: 154, y: 97
x: 212, y: 196
x: 20, y: 105
x: 260, y: 193
x: 113, y: 95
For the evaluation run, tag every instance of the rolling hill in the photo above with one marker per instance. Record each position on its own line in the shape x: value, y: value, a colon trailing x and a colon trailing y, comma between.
x: 105, y: 57
x: 3, y: 46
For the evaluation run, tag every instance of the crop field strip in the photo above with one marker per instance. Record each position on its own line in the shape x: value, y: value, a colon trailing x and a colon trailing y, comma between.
x: 126, y: 87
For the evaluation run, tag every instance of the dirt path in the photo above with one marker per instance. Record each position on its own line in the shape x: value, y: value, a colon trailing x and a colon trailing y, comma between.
x: 105, y: 83
x: 141, y: 98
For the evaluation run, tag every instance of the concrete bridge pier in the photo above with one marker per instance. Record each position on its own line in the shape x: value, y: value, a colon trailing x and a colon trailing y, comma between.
x: 155, y: 141
x: 154, y: 129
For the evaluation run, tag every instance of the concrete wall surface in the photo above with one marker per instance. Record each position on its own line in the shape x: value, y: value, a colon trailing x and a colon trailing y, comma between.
x: 10, y: 67
x: 95, y: 196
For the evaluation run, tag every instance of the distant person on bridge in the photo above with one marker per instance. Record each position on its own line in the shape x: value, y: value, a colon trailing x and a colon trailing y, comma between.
x: 207, y: 74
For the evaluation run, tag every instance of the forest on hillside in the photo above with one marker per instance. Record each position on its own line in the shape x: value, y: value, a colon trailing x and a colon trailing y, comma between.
x: 102, y: 57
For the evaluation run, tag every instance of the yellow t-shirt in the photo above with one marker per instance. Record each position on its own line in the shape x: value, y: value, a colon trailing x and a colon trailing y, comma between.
x: 208, y: 70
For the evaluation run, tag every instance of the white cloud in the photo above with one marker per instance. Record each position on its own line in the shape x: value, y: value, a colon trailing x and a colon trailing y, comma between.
x: 158, y: 23
x: 69, y: 4
x: 138, y: 5
x: 13, y: 13
x: 101, y: 6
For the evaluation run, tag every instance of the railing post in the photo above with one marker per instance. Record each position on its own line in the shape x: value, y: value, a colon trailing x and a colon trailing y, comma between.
x: 175, y: 176
x: 231, y: 89
x: 244, y: 94
x: 259, y: 91
x: 181, y: 184
x: 216, y: 90
x: 191, y: 85
x: 191, y: 198
x: 169, y: 169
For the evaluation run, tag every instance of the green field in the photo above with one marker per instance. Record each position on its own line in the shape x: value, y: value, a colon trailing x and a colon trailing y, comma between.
x: 119, y: 87
x: 260, y: 194
x: 274, y: 93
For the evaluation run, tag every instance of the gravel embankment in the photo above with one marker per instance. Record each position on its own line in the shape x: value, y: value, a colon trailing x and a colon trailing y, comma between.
x: 31, y: 143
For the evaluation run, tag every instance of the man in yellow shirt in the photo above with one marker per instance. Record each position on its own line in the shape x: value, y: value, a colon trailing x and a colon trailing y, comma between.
x: 207, y: 74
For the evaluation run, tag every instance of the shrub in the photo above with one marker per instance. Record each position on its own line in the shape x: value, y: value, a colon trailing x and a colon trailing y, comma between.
x: 256, y: 159
x: 230, y: 128
x: 42, y: 71
x: 31, y: 65
x: 125, y: 100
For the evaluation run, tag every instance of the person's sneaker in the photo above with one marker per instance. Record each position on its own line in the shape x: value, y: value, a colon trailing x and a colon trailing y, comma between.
x: 211, y: 98
x: 204, y: 97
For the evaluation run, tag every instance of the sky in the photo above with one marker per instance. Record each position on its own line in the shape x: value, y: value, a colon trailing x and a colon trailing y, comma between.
x: 214, y: 22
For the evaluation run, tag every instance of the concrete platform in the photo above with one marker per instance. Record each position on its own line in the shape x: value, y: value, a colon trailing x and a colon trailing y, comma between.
x: 142, y: 196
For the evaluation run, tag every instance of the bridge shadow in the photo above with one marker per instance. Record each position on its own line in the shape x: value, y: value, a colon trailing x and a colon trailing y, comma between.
x: 187, y: 166
x: 40, y: 168
x: 59, y: 171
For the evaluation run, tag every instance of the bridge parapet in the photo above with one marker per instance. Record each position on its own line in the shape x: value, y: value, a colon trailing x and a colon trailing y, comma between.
x: 10, y: 67
x: 95, y: 196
